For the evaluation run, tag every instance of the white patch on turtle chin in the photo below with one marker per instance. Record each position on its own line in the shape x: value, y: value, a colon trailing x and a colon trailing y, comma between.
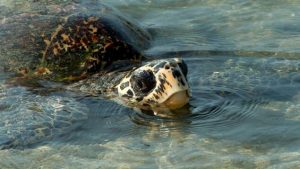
x: 168, y: 83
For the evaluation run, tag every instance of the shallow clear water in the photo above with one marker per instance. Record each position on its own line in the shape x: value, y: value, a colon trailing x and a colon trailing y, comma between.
x: 244, y: 72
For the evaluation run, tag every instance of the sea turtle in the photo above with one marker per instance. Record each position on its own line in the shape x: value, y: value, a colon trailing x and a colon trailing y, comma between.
x: 89, y: 47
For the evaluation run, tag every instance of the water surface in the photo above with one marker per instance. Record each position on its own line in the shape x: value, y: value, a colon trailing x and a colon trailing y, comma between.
x: 244, y: 71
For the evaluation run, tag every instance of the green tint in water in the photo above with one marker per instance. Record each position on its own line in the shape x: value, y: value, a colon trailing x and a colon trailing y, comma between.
x: 244, y: 71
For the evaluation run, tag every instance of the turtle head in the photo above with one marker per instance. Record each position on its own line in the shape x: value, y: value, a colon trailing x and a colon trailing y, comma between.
x: 157, y: 85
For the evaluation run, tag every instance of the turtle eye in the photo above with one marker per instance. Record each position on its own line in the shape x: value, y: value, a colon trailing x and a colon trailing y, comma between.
x: 143, y: 82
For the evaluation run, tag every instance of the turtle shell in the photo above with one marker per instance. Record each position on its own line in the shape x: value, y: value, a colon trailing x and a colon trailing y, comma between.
x: 69, y: 40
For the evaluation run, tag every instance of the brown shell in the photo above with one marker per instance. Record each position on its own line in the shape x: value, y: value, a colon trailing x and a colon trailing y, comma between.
x: 86, y: 44
x: 70, y: 42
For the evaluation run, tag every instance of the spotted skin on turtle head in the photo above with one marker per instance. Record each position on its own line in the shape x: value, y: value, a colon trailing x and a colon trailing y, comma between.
x: 155, y: 84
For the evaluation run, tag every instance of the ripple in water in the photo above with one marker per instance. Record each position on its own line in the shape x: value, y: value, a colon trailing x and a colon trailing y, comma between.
x: 221, y: 107
x: 212, y: 109
x: 176, y: 121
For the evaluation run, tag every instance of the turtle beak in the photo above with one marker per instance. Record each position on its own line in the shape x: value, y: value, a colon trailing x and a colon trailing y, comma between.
x: 181, y: 96
x: 177, y: 100
x: 172, y: 89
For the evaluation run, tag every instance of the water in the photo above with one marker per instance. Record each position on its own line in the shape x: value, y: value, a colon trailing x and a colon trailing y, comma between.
x: 244, y: 63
